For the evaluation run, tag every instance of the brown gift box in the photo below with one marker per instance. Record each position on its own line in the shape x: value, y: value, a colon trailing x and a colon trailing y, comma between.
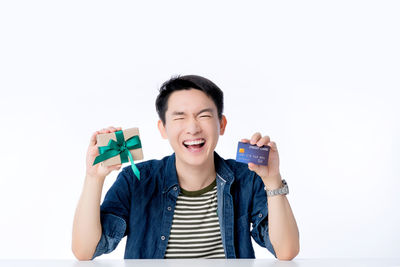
x: 103, y: 139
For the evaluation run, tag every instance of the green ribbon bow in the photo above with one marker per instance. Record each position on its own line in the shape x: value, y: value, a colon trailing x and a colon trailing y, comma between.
x: 121, y: 147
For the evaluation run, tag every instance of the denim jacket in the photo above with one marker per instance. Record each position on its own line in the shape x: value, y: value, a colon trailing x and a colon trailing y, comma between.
x: 143, y: 210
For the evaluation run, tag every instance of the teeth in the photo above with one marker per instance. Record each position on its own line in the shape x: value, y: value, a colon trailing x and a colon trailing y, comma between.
x: 195, y: 142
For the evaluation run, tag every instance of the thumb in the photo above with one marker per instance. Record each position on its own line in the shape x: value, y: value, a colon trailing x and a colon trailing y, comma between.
x: 253, y: 167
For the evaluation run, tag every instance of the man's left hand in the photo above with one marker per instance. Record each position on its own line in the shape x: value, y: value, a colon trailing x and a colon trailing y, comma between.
x: 269, y: 174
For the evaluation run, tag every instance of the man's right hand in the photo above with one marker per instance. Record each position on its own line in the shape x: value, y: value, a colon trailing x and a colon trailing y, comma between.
x: 98, y: 170
x: 87, y: 229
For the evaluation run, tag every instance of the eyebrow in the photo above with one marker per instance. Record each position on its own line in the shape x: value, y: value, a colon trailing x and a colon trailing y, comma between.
x: 177, y: 113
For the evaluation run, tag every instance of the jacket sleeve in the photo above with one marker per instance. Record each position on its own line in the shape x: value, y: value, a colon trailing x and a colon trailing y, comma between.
x: 259, y: 215
x: 114, y: 213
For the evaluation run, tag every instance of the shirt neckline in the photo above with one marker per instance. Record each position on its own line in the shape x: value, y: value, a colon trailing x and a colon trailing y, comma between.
x: 200, y: 192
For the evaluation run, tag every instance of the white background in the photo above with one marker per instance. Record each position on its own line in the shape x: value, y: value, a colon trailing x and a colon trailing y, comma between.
x: 321, y: 78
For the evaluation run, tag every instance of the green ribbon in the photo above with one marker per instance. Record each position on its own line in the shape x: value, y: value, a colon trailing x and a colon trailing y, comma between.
x: 120, y: 147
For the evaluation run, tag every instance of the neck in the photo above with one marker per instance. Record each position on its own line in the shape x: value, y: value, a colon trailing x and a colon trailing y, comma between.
x: 193, y: 178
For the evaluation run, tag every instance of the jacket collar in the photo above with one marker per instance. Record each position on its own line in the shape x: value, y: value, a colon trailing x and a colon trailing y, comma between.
x: 223, y: 169
x: 171, y: 177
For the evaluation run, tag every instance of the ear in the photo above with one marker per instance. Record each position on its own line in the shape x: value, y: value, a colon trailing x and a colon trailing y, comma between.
x: 162, y: 130
x: 222, y: 125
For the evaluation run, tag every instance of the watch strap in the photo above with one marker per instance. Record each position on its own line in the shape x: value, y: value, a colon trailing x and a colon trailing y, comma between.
x: 283, y: 190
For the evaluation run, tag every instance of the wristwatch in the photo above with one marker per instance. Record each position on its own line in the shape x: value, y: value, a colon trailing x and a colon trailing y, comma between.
x: 284, y: 190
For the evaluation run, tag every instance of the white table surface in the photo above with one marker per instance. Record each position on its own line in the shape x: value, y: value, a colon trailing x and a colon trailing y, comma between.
x: 204, y: 262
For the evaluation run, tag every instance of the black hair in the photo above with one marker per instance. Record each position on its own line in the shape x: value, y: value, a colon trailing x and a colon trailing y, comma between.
x: 188, y: 82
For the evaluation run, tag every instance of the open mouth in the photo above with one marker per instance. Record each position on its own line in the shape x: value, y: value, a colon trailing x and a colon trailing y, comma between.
x: 194, y: 144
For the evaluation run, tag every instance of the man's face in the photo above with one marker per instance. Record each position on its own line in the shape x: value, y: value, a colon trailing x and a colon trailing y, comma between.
x: 192, y: 126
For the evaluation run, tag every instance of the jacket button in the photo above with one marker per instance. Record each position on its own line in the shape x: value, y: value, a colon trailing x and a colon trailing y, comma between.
x: 260, y: 215
x: 169, y: 208
x: 162, y: 238
x: 175, y: 188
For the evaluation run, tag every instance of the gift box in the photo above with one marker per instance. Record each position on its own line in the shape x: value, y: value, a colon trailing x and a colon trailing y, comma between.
x: 119, y: 147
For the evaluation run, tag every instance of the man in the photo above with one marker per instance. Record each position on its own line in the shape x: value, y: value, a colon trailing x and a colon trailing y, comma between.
x: 193, y: 203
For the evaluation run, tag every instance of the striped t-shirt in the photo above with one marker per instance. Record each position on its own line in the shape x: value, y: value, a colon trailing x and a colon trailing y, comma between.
x: 195, y: 231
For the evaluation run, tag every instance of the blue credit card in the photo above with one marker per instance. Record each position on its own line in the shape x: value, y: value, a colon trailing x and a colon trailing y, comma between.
x: 252, y: 153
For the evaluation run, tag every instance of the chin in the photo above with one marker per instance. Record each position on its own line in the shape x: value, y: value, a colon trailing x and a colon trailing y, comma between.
x: 194, y: 159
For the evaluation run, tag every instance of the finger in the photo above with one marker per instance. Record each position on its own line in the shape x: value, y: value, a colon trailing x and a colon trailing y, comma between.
x: 93, y: 139
x: 252, y: 166
x: 107, y: 130
x: 103, y: 131
x: 93, y: 150
x: 273, y: 146
x: 115, y: 167
x: 114, y: 129
x: 110, y: 129
x: 255, y: 138
x: 245, y: 140
x: 263, y: 141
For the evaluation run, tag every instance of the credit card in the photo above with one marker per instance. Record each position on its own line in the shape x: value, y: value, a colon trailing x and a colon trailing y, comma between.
x: 252, y: 153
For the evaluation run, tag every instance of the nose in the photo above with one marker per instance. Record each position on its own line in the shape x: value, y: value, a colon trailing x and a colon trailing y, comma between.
x: 193, y: 127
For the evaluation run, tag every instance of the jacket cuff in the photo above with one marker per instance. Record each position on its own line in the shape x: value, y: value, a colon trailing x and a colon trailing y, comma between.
x: 113, y: 230
x: 260, y: 231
